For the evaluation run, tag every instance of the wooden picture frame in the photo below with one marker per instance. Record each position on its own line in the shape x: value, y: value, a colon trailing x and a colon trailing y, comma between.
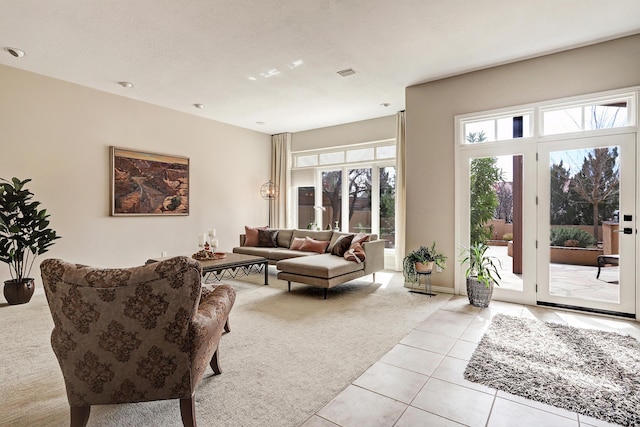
x: 144, y: 183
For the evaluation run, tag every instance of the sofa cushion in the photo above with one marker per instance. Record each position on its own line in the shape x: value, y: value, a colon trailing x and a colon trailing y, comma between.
x: 324, y: 266
x: 296, y: 243
x: 284, y: 237
x: 313, y: 245
x: 277, y: 254
x: 267, y: 238
x: 341, y: 245
x: 252, y: 250
x: 334, y: 238
x: 360, y: 238
x: 251, y: 234
x: 317, y: 235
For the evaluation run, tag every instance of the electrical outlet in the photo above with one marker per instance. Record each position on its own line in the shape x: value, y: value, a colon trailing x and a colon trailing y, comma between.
x: 438, y: 269
x: 164, y: 254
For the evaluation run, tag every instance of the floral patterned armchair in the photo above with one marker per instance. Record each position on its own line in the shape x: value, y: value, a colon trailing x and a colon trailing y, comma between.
x: 134, y: 334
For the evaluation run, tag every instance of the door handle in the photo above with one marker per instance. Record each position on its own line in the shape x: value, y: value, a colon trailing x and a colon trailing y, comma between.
x: 626, y: 230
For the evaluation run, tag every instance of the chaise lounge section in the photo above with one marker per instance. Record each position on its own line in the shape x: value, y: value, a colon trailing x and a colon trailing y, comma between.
x: 316, y: 258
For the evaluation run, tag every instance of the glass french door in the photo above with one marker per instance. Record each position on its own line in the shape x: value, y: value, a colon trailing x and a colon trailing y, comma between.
x: 510, y: 233
x: 586, y: 237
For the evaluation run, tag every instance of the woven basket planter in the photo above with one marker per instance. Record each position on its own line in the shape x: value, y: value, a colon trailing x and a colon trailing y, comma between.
x: 479, y: 295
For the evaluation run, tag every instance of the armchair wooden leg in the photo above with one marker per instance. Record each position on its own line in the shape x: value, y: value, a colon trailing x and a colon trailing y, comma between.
x: 80, y: 415
x: 188, y: 412
x: 227, y: 328
x: 214, y: 363
x: 374, y: 277
x: 289, y: 286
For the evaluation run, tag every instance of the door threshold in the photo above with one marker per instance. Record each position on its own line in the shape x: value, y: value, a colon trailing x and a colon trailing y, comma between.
x: 587, y: 309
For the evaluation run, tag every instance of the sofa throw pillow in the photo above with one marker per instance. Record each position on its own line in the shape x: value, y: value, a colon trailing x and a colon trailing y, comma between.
x: 267, y: 238
x: 355, y: 253
x: 297, y: 243
x: 342, y: 245
x: 313, y: 245
x: 251, y: 235
x: 359, y: 238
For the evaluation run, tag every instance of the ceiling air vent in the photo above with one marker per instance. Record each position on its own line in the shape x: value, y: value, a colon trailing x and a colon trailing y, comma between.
x: 347, y: 72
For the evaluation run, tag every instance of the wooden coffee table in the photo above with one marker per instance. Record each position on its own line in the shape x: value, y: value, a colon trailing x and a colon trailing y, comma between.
x: 231, y: 266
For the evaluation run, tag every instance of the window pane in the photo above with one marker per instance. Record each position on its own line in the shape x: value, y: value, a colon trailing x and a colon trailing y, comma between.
x: 526, y: 126
x: 306, y: 213
x: 388, y: 206
x: 302, y: 161
x: 388, y: 152
x: 360, y: 155
x: 562, y: 121
x: 612, y: 115
x: 505, y: 127
x: 360, y: 200
x: 332, y: 158
x: 479, y: 132
x: 331, y: 198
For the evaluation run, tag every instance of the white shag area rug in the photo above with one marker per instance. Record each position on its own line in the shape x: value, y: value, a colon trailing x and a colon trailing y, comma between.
x: 587, y: 371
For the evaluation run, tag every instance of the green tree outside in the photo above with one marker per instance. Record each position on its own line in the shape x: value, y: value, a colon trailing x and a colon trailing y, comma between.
x: 484, y: 175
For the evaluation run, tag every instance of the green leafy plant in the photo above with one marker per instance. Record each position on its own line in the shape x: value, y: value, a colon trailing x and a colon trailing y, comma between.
x: 423, y: 254
x: 576, y: 237
x: 24, y: 232
x: 480, y: 265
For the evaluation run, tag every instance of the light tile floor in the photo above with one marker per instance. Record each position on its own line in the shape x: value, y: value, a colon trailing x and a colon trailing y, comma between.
x: 420, y: 381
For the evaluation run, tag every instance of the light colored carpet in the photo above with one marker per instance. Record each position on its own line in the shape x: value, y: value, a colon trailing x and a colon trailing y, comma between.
x: 287, y: 355
x: 591, y: 372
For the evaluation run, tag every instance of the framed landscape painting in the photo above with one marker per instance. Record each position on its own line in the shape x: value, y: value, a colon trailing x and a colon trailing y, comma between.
x: 145, y: 183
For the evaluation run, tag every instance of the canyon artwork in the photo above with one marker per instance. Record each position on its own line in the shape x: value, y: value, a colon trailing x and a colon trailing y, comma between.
x: 149, y: 184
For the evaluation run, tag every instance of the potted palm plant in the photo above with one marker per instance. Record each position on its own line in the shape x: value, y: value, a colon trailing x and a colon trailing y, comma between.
x: 422, y: 259
x: 482, y: 274
x: 24, y: 234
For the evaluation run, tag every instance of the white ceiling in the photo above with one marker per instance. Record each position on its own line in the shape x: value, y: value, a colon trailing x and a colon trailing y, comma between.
x: 181, y: 52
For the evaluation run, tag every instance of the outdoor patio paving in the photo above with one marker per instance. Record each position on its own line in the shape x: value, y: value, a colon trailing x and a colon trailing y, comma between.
x: 577, y: 281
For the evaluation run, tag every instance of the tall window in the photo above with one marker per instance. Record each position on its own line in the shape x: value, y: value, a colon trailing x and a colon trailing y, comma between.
x: 331, y: 198
x: 353, y: 191
x: 306, y: 200
x: 360, y: 200
x: 388, y: 206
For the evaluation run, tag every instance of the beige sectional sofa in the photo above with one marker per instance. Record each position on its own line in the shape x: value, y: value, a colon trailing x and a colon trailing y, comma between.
x: 324, y: 270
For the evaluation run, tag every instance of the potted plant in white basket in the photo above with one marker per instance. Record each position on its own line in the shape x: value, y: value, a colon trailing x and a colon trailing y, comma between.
x: 482, y: 274
x: 422, y: 259
x: 24, y: 234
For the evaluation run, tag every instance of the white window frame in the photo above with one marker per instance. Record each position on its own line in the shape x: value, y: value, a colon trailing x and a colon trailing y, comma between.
x: 375, y: 166
x: 464, y: 150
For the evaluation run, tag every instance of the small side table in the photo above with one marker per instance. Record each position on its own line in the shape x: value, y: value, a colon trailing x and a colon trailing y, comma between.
x: 427, y: 282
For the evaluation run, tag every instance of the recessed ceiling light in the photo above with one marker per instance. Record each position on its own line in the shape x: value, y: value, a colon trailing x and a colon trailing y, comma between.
x: 260, y: 123
x: 385, y: 104
x: 199, y: 106
x: 125, y: 84
x: 270, y: 73
x: 15, y: 52
x: 296, y: 64
x: 346, y: 72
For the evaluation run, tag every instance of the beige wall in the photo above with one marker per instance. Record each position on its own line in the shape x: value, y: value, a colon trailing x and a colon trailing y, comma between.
x: 59, y: 135
x: 351, y: 133
x: 431, y: 108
